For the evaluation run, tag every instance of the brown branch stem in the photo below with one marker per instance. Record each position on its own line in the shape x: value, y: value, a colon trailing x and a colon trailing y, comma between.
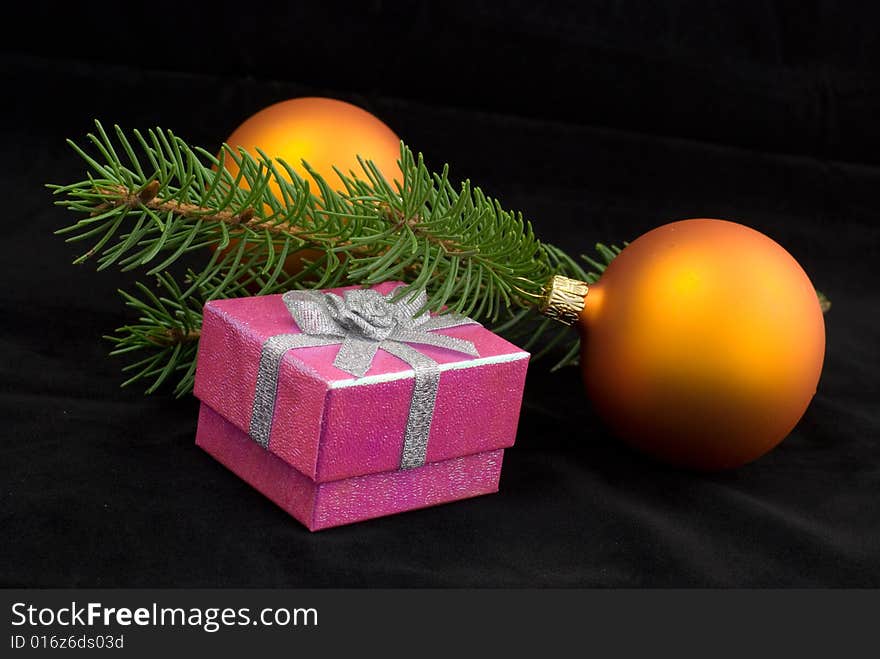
x: 174, y: 335
x: 148, y: 197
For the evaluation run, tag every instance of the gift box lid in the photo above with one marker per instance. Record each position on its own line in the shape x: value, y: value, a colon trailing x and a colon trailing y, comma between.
x: 330, y: 424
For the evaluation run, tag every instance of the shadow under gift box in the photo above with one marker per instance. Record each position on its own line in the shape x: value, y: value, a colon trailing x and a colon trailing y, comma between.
x: 336, y: 441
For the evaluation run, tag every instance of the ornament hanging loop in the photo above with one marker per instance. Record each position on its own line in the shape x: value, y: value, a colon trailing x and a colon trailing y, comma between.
x: 564, y: 299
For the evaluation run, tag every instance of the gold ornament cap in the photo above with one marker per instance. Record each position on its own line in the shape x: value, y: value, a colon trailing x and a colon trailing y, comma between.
x: 564, y: 299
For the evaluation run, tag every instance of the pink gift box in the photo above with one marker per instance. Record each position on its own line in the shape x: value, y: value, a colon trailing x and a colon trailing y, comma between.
x: 336, y: 440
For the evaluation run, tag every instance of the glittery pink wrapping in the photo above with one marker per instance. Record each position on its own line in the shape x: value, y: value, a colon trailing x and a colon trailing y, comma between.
x: 329, y: 433
x: 334, y: 451
x: 324, y: 505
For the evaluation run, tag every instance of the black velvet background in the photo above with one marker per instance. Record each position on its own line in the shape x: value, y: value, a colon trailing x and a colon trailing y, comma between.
x: 599, y: 122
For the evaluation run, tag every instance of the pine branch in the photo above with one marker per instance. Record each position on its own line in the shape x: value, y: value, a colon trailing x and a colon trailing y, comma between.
x: 152, y: 202
x: 168, y: 328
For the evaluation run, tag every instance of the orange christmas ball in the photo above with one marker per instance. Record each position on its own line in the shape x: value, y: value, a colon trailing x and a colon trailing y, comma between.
x: 324, y: 132
x: 703, y: 343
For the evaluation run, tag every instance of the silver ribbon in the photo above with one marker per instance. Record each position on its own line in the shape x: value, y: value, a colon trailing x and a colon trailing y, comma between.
x: 363, y: 321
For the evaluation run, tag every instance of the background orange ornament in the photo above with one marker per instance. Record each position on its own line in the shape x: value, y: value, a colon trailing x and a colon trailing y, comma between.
x: 324, y: 132
x: 702, y: 344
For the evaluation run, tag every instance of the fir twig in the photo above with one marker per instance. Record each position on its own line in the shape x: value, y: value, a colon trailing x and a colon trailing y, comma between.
x: 152, y: 202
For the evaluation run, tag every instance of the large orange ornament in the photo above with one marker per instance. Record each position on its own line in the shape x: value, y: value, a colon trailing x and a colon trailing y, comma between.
x: 702, y: 344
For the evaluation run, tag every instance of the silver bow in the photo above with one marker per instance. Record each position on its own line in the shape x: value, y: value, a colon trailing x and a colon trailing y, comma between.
x: 362, y: 321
